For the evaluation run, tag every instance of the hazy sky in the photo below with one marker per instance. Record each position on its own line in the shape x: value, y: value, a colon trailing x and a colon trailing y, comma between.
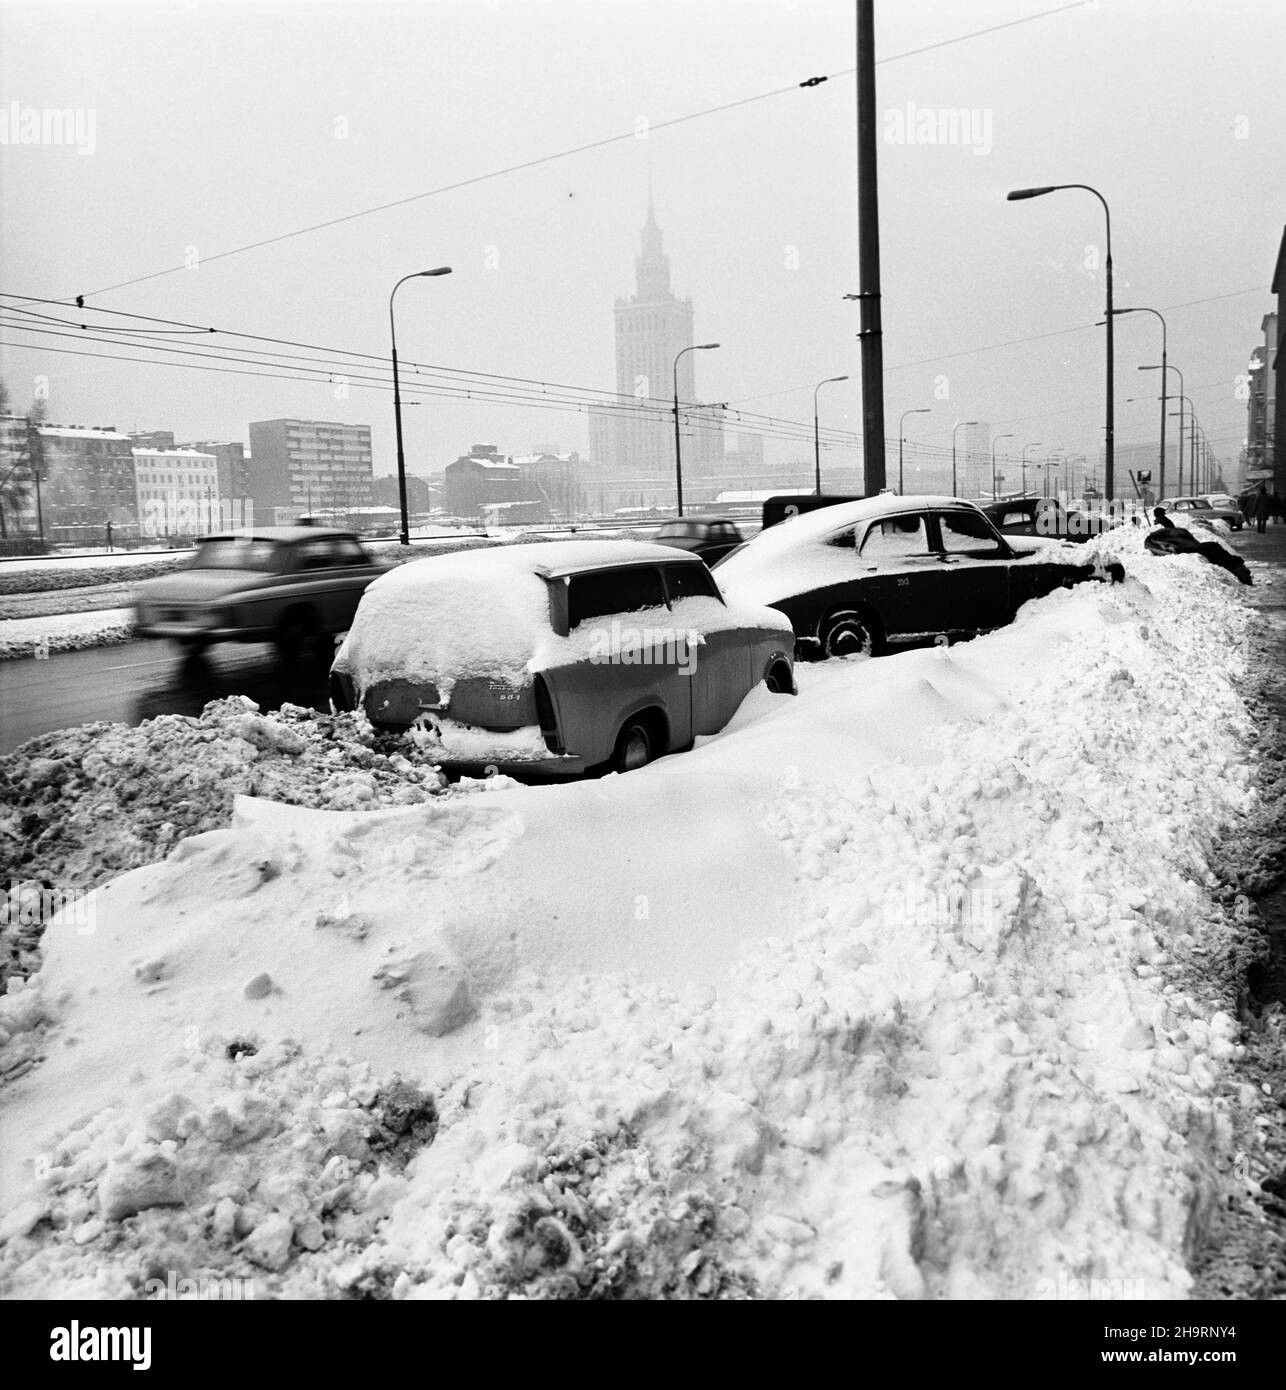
x: 216, y: 125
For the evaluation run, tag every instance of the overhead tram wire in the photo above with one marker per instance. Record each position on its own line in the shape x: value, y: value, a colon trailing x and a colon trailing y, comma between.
x: 462, y: 391
x: 751, y: 420
x: 585, y: 148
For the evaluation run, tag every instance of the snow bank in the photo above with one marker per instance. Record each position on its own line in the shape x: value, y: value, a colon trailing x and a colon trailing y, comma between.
x: 64, y: 632
x: 908, y: 987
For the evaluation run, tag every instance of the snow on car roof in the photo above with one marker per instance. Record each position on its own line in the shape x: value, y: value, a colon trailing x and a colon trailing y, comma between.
x: 478, y: 613
x: 822, y: 521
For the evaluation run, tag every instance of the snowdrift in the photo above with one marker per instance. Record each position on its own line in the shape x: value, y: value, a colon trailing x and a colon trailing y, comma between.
x: 901, y: 988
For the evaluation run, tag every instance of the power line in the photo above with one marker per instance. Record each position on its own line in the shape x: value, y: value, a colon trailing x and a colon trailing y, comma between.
x: 584, y: 148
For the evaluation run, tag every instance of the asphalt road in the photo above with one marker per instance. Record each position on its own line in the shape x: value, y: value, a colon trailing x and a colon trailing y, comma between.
x: 138, y: 680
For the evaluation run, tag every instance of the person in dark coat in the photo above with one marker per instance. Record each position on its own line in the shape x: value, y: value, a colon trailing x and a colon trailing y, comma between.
x: 1261, y: 508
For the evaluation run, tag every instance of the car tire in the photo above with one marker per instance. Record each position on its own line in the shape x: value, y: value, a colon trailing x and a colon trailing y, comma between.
x: 779, y: 681
x: 193, y: 646
x: 294, y: 633
x: 635, y: 746
x: 848, y: 633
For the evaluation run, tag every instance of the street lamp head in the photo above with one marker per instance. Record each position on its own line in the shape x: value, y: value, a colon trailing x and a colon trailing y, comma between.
x: 701, y: 346
x: 835, y: 378
x: 441, y: 270
x: 1017, y: 194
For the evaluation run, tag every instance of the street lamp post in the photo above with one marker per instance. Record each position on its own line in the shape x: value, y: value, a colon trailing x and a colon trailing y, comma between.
x: 994, y: 442
x: 1109, y: 429
x: 921, y: 410
x: 1192, y: 443
x: 954, y: 428
x: 678, y: 447
x: 1164, y: 383
x: 397, y: 395
x: 1049, y: 463
x: 817, y: 438
x: 1034, y: 445
x: 1163, y: 368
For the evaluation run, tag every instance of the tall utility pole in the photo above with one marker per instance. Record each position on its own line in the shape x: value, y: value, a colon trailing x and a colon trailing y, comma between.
x: 868, y: 240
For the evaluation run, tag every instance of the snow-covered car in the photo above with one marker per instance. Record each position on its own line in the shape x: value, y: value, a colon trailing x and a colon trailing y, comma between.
x: 1201, y: 509
x: 857, y: 578
x: 557, y: 657
x: 711, y: 539
x: 282, y: 584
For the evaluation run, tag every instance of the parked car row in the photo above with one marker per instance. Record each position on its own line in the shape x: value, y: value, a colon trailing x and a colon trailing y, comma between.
x: 563, y: 657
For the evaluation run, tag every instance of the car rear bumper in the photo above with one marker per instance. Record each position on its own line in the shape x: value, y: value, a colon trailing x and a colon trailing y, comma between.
x: 186, y: 632
x: 552, y: 766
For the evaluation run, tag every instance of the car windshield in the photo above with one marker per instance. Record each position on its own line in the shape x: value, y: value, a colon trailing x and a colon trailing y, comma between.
x: 237, y: 553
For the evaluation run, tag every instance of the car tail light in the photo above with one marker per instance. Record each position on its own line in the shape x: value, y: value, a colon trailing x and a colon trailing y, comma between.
x: 342, y: 697
x: 548, y: 720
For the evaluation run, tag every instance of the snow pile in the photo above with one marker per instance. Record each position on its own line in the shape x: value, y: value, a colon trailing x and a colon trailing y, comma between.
x: 912, y: 986
x: 64, y: 632
x: 82, y: 805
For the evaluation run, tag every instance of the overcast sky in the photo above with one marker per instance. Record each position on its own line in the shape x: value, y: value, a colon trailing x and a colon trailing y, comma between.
x: 216, y: 125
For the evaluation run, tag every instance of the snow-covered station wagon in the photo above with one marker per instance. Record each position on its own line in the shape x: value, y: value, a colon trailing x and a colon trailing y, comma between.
x: 557, y: 657
x: 862, y: 576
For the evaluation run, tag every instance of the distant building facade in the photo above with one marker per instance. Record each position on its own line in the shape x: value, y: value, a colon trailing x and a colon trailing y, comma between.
x: 234, y: 465
x: 632, y: 435
x: 309, y: 466
x: 87, y: 482
x: 481, y: 479
x: 177, y: 492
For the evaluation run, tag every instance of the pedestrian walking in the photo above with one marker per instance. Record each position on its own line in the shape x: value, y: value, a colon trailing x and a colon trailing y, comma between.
x: 1261, y: 508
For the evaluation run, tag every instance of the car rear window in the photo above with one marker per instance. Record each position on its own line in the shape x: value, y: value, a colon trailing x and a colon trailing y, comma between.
x: 605, y: 592
x: 680, y: 530
x: 237, y: 553
x: 690, y: 581
x: 896, y: 537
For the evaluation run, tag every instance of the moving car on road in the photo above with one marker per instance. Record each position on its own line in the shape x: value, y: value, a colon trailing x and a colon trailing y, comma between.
x: 857, y: 578
x: 710, y: 539
x: 282, y: 584
x: 557, y: 657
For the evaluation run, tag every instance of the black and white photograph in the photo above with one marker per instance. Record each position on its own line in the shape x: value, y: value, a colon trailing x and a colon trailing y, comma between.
x: 643, y: 658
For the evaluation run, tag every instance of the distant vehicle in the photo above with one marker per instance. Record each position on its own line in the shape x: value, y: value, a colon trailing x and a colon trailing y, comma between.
x: 862, y: 577
x: 557, y: 658
x: 711, y: 539
x: 788, y: 504
x: 1202, y: 509
x: 1045, y: 517
x: 282, y: 584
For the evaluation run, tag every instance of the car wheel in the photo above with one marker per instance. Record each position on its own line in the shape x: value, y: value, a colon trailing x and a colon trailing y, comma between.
x: 848, y: 634
x: 193, y: 646
x: 294, y: 633
x: 779, y: 682
x: 634, y: 747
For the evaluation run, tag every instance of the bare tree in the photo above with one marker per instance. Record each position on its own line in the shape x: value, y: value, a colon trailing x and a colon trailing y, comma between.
x: 21, y: 456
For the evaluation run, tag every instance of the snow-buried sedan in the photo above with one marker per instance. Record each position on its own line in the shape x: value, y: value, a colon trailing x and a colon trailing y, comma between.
x: 557, y: 657
x: 859, y: 577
